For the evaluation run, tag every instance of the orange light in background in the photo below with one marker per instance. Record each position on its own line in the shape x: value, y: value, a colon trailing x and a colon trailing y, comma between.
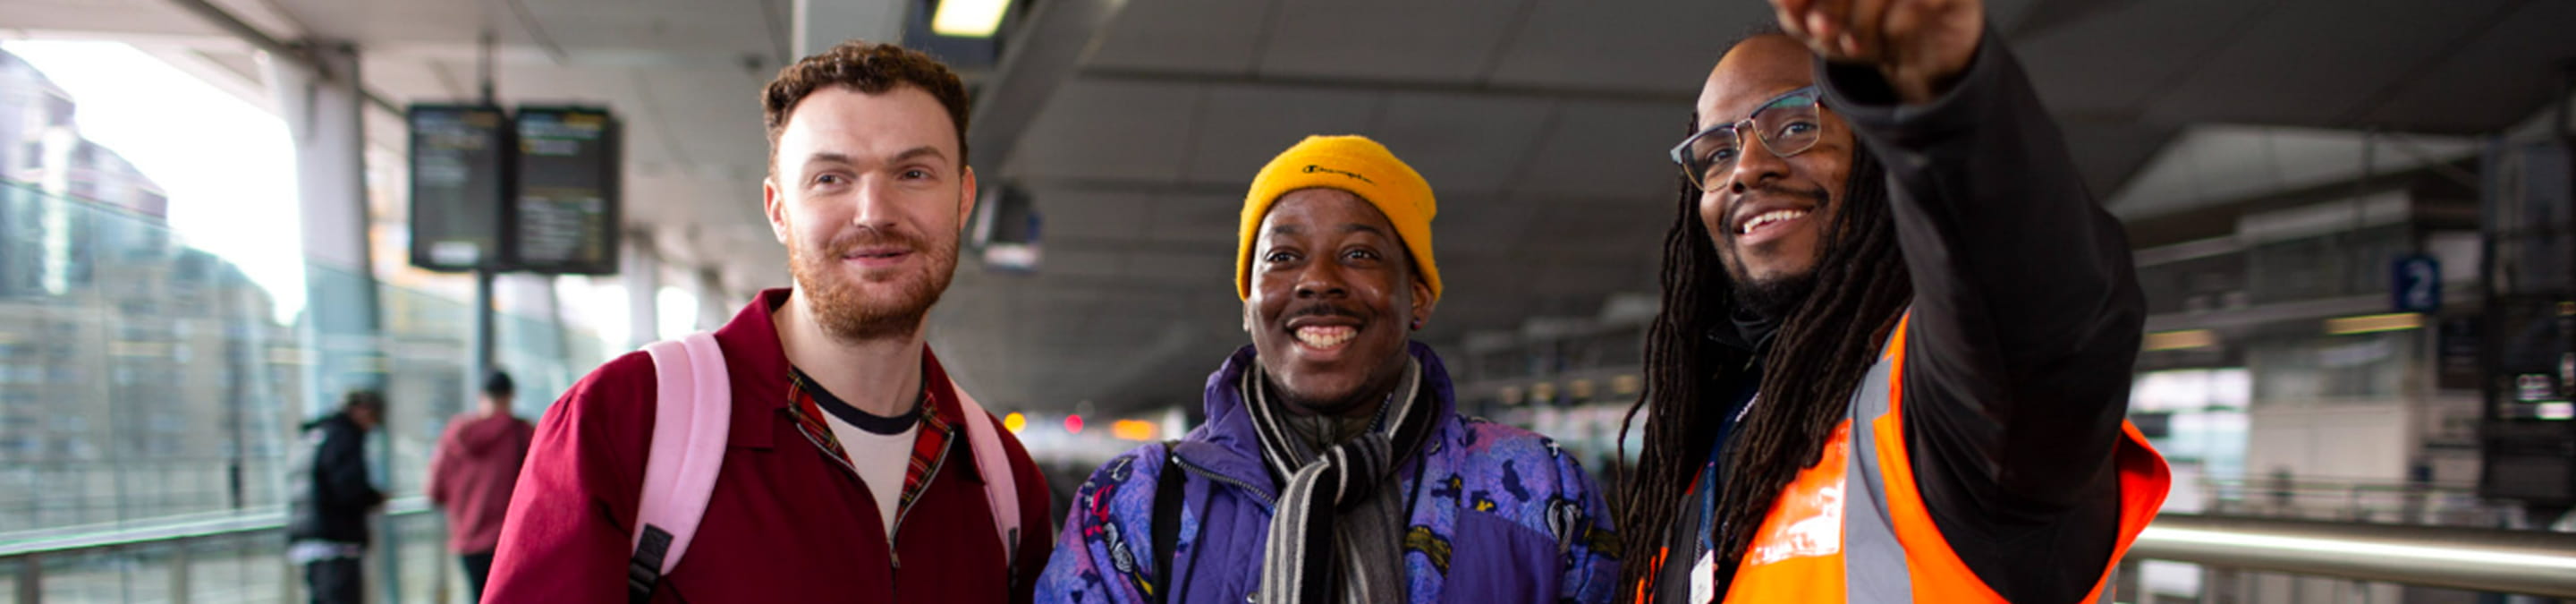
x: 2181, y: 340
x: 1129, y: 429
x: 1014, y: 422
x: 1073, y: 424
x: 2373, y: 323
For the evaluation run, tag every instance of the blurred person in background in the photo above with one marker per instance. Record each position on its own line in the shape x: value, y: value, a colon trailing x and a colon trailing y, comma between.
x: 1334, y: 465
x: 329, y: 497
x: 1893, y: 357
x: 471, y: 474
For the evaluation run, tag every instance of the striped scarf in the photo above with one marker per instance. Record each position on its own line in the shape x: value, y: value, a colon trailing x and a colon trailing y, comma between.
x: 1333, y: 538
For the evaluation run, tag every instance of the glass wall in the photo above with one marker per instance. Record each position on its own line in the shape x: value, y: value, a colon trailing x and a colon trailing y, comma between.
x: 146, y: 383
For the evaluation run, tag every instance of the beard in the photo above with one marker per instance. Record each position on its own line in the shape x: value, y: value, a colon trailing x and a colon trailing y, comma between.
x: 1776, y: 297
x: 880, y: 304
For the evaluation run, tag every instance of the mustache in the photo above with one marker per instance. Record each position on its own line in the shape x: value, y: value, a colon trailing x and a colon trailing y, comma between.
x: 844, y: 243
x: 1815, y: 197
x: 1317, y: 309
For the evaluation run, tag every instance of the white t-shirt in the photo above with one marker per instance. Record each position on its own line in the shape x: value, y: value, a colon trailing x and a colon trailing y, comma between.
x: 880, y: 447
x: 880, y: 459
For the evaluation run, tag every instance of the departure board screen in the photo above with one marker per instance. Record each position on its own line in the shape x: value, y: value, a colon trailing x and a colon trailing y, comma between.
x: 564, y: 219
x: 459, y: 177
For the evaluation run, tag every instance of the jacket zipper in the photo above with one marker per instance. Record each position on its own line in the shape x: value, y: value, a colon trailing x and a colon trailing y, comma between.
x: 893, y: 557
x: 1266, y: 503
x: 904, y: 511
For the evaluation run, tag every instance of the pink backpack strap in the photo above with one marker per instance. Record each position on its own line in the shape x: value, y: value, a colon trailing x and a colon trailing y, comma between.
x: 693, y: 412
x: 1001, y: 487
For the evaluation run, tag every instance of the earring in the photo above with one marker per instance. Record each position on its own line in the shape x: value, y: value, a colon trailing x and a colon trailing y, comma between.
x: 1417, y: 325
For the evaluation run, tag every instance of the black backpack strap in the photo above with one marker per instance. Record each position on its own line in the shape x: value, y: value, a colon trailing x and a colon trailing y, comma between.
x: 644, y: 570
x: 1167, y: 520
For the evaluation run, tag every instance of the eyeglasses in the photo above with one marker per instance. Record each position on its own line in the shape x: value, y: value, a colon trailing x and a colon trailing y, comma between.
x: 1787, y: 125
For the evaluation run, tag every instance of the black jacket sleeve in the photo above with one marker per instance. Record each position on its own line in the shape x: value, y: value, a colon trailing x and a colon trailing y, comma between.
x: 340, y: 467
x: 2025, y: 327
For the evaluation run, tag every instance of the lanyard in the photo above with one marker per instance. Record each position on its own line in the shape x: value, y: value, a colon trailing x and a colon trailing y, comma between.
x: 1708, y: 476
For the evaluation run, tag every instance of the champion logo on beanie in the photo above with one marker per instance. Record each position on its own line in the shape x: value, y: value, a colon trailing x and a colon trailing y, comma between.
x: 1312, y: 168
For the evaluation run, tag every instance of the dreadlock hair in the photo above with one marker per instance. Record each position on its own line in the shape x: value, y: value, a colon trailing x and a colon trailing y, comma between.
x: 1820, y: 354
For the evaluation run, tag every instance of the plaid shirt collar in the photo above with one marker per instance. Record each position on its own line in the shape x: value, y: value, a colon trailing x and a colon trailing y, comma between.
x: 939, y: 412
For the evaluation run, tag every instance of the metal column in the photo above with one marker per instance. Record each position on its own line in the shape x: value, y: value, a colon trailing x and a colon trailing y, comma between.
x: 323, y: 110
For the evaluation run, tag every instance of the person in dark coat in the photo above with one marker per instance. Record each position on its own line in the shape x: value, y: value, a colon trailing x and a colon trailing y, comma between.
x: 331, y: 495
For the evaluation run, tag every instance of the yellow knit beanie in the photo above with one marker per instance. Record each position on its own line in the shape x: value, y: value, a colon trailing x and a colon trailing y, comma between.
x: 1350, y: 163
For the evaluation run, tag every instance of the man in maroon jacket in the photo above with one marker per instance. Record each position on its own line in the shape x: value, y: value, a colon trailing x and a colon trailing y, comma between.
x: 476, y: 463
x: 847, y: 475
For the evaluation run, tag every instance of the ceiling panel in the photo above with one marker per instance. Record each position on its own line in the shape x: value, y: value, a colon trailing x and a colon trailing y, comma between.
x: 2492, y: 80
x: 1079, y: 264
x: 1211, y: 220
x: 1182, y: 36
x: 1623, y: 45
x: 129, y: 17
x: 2292, y: 67
x: 1242, y: 126
x: 1573, y: 229
x: 1212, y: 267
x: 1402, y: 40
x: 2212, y: 165
x: 1613, y: 150
x: 1474, y: 225
x: 1462, y: 143
x: 385, y: 20
x: 732, y: 28
x: 1080, y: 213
x: 1109, y: 130
x: 2099, y: 65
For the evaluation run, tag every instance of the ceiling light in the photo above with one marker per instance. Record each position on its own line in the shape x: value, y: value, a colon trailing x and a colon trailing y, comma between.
x: 2181, y: 340
x: 2373, y: 323
x: 968, y: 18
x: 2558, y: 411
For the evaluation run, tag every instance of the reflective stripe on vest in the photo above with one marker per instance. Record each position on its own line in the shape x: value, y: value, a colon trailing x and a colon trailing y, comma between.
x: 1832, y: 539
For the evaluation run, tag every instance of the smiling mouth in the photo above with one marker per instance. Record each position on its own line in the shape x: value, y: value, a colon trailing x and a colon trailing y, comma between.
x: 875, y: 254
x: 1768, y: 219
x: 1325, y: 337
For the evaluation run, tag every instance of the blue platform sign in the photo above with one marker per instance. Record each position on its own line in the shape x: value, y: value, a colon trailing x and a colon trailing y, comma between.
x: 2415, y: 284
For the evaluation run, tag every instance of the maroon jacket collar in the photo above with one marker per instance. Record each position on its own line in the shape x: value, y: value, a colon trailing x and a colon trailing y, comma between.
x: 758, y: 364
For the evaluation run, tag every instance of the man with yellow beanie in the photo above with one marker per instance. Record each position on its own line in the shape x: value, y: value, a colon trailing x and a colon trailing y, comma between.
x: 1335, y: 463
x: 1334, y: 466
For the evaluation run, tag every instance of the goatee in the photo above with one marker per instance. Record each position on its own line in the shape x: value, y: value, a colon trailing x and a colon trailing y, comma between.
x: 1774, y: 298
x: 876, y: 307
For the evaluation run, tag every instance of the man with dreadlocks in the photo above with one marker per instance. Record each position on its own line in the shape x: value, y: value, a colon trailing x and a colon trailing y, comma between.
x: 1894, y: 350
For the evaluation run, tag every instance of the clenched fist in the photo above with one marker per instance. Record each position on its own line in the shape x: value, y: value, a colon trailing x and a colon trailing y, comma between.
x: 1919, y: 45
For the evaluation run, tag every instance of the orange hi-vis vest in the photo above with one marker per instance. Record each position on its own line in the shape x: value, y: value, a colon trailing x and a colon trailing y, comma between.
x: 1853, y: 527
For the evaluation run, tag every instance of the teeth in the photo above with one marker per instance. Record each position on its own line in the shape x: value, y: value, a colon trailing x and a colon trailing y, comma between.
x: 1325, y: 336
x: 1768, y: 218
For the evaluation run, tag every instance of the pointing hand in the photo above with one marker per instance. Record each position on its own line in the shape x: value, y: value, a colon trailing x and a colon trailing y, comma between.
x: 1920, y: 46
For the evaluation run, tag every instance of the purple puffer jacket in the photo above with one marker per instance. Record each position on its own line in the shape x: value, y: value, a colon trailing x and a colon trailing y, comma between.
x: 1499, y: 514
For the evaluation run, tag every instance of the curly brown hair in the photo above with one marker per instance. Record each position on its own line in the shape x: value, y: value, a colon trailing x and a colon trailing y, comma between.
x: 867, y: 67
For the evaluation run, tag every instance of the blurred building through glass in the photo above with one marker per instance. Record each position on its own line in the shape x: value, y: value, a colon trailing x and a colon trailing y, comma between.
x: 148, y: 383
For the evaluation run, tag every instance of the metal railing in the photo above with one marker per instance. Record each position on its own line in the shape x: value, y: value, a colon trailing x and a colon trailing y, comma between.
x: 28, y: 555
x: 2490, y: 560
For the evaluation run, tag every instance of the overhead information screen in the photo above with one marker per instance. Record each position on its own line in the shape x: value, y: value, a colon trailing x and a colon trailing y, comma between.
x: 459, y: 177
x: 565, y: 216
